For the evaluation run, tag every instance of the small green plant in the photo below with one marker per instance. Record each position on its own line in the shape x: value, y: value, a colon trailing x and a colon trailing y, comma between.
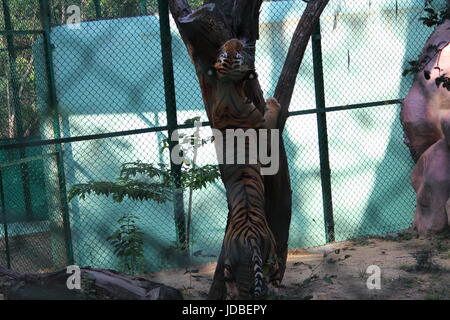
x: 156, y: 182
x: 406, y: 268
x: 424, y: 262
x: 157, y: 187
x: 434, y: 293
x: 362, y: 273
x: 268, y: 266
x: 406, y: 282
x: 128, y: 244
x: 197, y: 178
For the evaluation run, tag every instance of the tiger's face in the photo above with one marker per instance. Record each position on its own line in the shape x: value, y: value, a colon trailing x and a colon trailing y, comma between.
x: 231, y: 62
x: 231, y: 57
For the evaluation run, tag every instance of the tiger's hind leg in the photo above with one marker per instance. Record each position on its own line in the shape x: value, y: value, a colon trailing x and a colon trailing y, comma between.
x: 273, y: 109
x: 230, y: 283
x: 272, y: 276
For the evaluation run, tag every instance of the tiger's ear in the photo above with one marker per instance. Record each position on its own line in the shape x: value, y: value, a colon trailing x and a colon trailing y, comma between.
x: 251, y: 75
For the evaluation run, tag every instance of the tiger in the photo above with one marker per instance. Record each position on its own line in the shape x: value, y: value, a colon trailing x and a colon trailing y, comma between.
x: 248, y: 243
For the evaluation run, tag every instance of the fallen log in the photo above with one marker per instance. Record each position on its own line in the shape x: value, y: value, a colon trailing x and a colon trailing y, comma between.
x: 95, y: 284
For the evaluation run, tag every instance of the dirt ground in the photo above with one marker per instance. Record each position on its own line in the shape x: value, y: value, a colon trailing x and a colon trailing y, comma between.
x: 412, y: 268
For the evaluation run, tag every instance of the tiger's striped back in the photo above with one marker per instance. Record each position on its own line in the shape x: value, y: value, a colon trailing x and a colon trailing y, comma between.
x: 249, y: 244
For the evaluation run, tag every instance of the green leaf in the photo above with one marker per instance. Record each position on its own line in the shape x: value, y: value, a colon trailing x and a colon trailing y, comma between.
x: 327, y: 280
x: 192, y: 121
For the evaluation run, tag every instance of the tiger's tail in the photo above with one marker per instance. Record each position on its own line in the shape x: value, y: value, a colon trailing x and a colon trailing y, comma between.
x: 258, y: 270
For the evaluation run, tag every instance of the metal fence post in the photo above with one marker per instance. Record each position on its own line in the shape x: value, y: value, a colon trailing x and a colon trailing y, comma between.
x: 171, y: 112
x: 53, y: 105
x: 143, y: 7
x: 98, y: 9
x: 325, y: 172
x: 5, y: 222
x: 17, y: 108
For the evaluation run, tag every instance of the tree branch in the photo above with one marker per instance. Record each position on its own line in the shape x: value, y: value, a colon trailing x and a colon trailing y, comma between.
x: 179, y: 8
x: 205, y: 29
x: 242, y: 16
x: 297, y: 48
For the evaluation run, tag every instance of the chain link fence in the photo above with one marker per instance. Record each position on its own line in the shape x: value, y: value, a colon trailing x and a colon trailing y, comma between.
x: 78, y: 104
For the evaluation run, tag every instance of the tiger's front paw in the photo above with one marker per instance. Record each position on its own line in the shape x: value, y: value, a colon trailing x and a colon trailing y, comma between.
x: 273, y: 108
x: 272, y: 105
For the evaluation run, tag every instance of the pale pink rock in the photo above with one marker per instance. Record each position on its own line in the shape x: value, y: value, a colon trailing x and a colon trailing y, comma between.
x: 431, y: 181
x: 425, y: 102
x: 426, y: 122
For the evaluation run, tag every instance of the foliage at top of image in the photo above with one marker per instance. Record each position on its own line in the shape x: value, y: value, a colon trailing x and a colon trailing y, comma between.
x: 130, y: 8
x: 433, y: 17
x: 18, y: 112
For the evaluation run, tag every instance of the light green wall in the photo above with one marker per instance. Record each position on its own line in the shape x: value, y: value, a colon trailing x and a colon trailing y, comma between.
x: 109, y: 78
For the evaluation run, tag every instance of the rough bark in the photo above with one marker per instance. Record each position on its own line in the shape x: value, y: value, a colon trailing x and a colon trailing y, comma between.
x: 204, y: 31
x: 95, y: 283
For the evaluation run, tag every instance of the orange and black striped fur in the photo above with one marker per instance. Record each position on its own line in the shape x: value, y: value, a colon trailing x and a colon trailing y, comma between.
x: 249, y: 245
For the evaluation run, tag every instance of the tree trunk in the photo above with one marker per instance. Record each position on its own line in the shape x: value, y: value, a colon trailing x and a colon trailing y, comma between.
x: 96, y: 284
x: 204, y: 31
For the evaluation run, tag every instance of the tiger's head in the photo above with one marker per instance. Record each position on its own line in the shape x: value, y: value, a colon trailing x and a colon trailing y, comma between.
x: 232, y: 62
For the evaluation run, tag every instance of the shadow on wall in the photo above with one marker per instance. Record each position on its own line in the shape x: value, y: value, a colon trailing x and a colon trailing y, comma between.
x: 364, y: 50
x: 278, y: 22
x: 392, y: 200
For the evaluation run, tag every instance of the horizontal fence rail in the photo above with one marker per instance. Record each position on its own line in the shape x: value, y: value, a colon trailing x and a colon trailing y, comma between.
x: 183, y: 126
